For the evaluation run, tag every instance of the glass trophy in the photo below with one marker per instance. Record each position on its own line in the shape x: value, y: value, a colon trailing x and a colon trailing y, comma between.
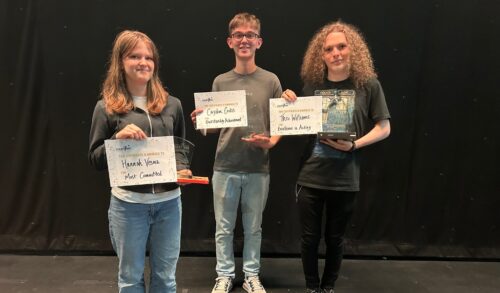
x: 184, y: 150
x: 256, y: 123
x: 337, y: 114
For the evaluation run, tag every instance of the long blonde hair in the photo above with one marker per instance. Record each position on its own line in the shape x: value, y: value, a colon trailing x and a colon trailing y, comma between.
x: 115, y: 94
x: 314, y: 70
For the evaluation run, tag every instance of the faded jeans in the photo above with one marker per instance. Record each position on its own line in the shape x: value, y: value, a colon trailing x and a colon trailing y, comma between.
x: 135, y: 228
x: 229, y: 190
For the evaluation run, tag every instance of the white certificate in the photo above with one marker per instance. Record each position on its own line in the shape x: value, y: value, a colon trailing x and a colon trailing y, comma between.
x: 135, y: 162
x: 293, y: 118
x: 221, y: 109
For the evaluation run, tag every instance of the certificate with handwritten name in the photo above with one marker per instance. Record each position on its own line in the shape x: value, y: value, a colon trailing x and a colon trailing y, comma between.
x: 136, y: 162
x: 221, y: 109
x: 293, y: 118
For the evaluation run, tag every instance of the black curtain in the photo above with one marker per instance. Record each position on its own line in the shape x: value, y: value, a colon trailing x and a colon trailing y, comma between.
x: 429, y: 190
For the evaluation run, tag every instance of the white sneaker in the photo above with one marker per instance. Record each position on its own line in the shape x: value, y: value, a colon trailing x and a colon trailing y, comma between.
x: 253, y: 285
x: 223, y: 285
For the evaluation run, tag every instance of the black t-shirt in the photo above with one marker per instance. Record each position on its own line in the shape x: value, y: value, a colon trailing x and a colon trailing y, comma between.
x: 329, y: 168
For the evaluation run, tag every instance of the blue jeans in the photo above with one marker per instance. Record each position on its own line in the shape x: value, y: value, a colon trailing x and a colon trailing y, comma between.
x: 135, y: 228
x: 230, y: 189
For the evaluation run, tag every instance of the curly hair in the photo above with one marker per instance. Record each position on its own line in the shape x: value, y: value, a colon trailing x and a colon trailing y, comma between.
x: 115, y: 94
x: 314, y: 70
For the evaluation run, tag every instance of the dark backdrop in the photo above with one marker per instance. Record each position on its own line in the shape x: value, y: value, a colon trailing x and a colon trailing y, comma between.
x: 430, y: 190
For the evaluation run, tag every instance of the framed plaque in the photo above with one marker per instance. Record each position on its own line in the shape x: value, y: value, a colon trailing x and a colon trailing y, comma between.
x: 184, y: 150
x: 337, y: 114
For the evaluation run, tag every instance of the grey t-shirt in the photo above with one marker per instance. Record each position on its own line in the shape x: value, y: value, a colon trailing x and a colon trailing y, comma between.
x: 233, y: 154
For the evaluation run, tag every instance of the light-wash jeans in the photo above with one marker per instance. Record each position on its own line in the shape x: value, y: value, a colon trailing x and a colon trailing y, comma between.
x: 229, y: 189
x: 135, y: 228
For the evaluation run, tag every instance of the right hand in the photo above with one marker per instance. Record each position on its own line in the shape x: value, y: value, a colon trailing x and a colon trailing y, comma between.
x: 194, y: 114
x: 131, y: 131
x: 339, y: 144
x: 184, y: 173
x: 289, y: 95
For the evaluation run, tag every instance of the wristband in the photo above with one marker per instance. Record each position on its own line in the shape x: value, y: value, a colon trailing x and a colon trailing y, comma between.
x: 353, y: 147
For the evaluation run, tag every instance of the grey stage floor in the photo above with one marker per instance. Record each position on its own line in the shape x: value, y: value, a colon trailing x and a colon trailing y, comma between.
x: 78, y: 274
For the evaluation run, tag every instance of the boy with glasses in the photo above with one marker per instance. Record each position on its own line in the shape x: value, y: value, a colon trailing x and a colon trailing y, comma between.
x: 241, y: 169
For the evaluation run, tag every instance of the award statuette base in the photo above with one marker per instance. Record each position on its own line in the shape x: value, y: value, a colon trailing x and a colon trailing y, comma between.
x: 337, y: 135
x: 192, y: 179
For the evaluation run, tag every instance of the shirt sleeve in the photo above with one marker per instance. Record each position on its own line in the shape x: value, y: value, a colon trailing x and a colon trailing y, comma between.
x: 277, y: 90
x: 99, y: 132
x: 183, y: 158
x: 378, y: 106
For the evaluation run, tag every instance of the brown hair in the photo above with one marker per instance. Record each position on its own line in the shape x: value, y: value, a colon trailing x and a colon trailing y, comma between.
x: 115, y: 94
x: 242, y: 19
x: 314, y: 70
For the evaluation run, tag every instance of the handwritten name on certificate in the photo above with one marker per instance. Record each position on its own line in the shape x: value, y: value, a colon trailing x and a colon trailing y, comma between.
x: 300, y: 117
x: 221, y: 109
x: 135, y: 162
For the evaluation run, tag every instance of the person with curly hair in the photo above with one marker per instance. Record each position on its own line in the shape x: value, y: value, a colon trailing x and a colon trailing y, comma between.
x: 134, y: 105
x: 336, y: 60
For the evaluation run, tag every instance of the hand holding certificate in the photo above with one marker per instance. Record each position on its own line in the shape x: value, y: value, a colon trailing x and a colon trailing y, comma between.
x: 150, y: 161
x: 221, y: 109
x: 293, y: 118
x: 144, y: 161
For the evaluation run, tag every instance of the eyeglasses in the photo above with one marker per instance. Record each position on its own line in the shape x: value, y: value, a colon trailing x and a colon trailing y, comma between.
x: 250, y: 36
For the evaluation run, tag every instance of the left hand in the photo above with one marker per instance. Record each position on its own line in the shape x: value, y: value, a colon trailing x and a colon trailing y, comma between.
x: 339, y: 144
x: 131, y: 131
x: 184, y: 173
x: 260, y: 140
x: 289, y: 95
